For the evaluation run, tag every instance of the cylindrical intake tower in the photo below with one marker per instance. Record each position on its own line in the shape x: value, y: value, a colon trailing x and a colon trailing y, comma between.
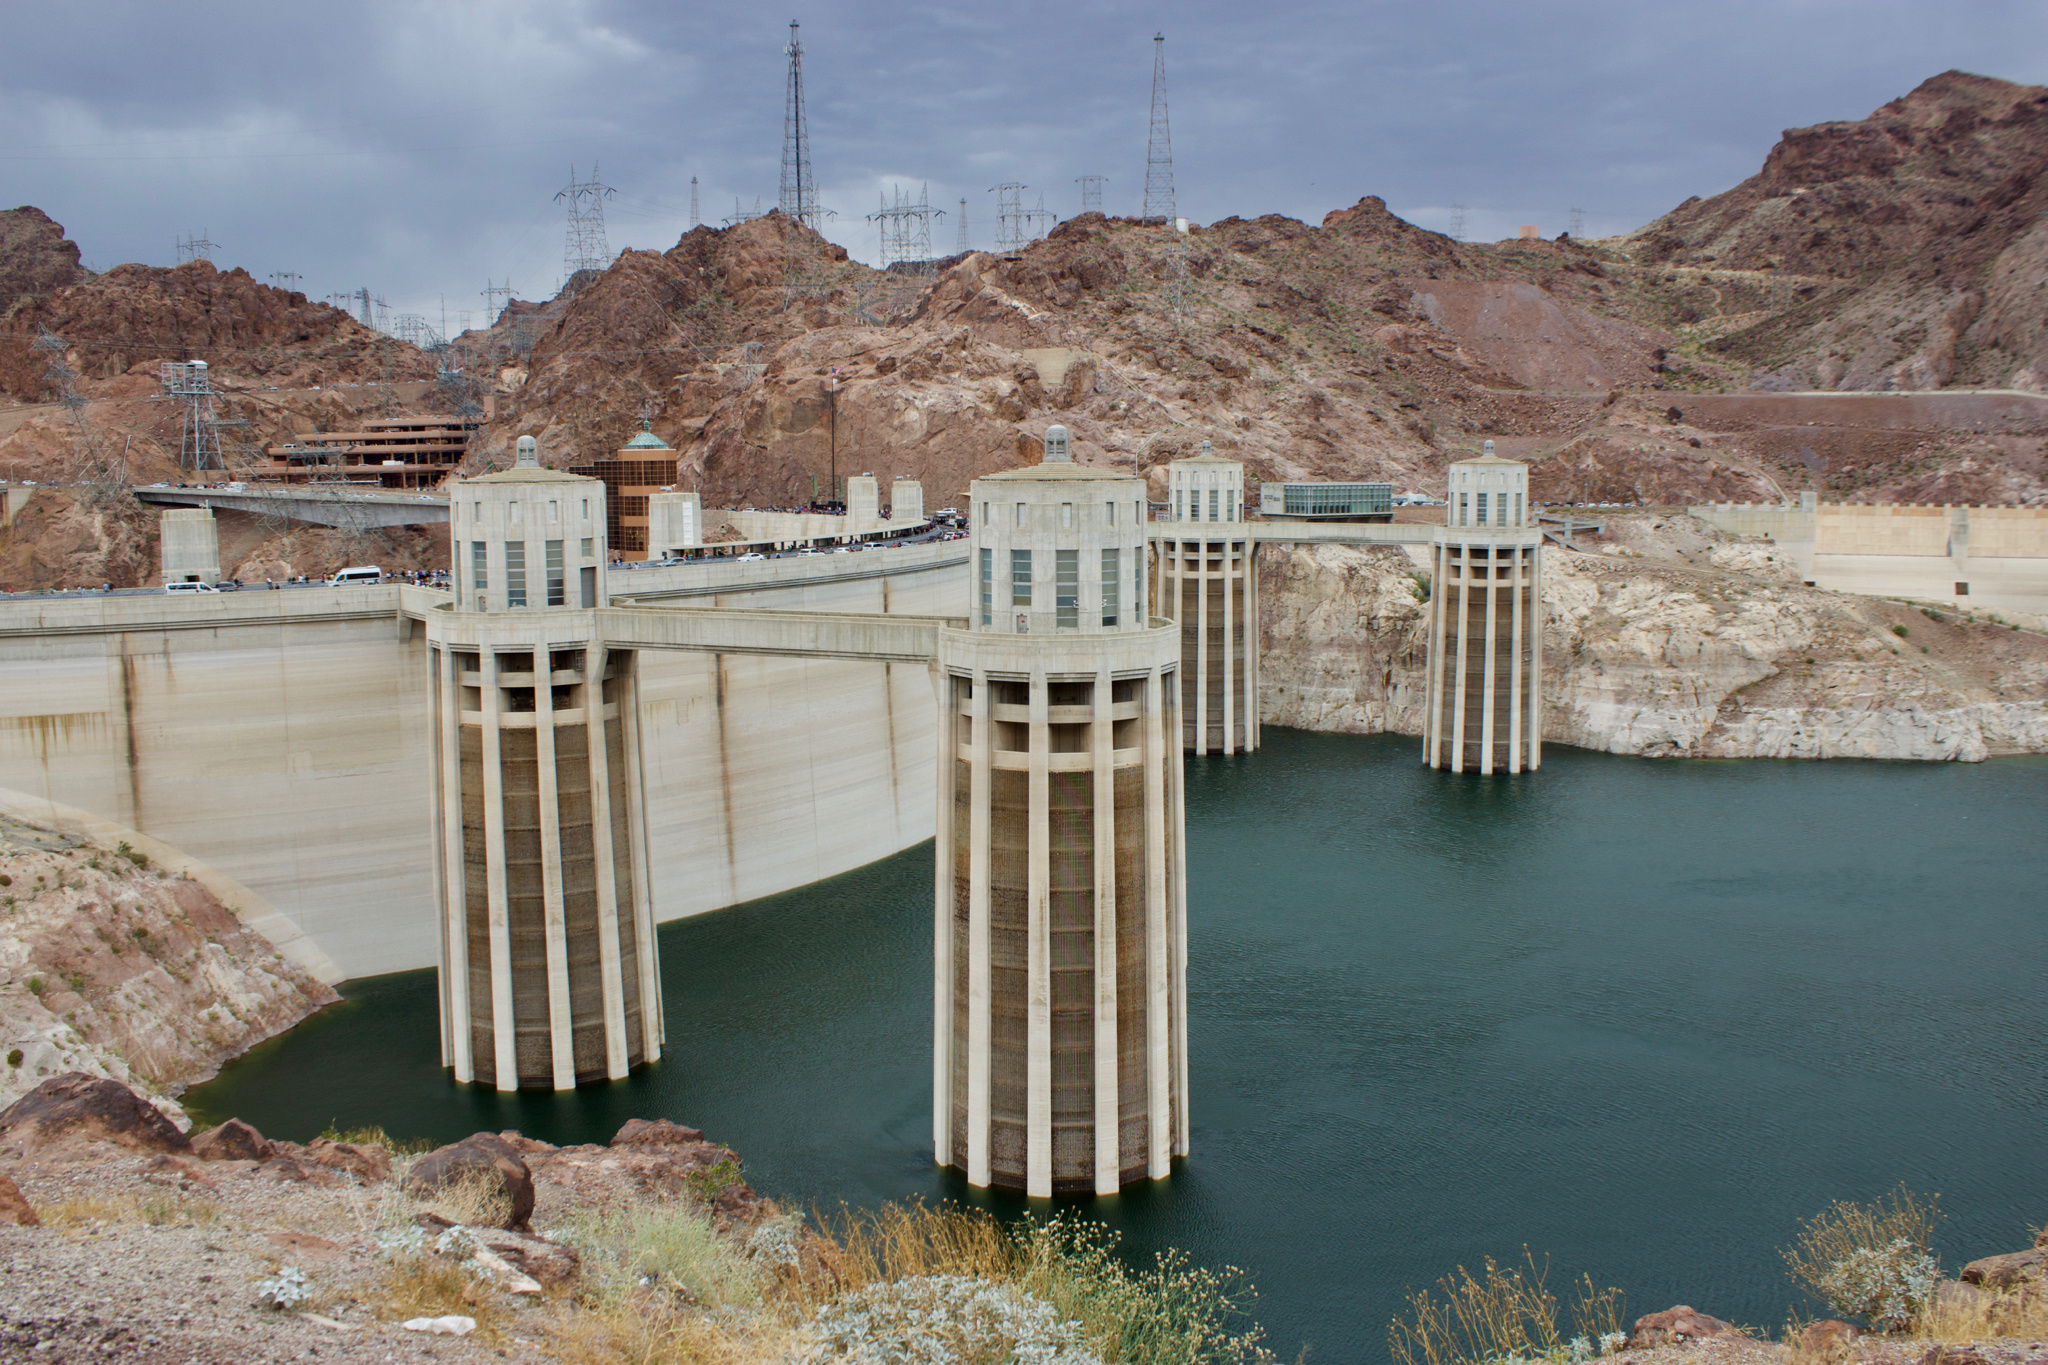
x: 1060, y: 1036
x: 1486, y: 624
x: 549, y: 975
x: 1205, y: 577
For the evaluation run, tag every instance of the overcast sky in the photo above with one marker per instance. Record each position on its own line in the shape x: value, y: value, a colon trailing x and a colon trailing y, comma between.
x: 416, y: 147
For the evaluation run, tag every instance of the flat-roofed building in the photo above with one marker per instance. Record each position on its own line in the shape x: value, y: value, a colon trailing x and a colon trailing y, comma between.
x: 1326, y: 501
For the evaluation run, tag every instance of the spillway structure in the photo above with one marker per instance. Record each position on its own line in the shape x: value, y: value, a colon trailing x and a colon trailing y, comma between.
x: 1205, y: 579
x: 548, y: 971
x: 1486, y: 623
x: 1060, y: 933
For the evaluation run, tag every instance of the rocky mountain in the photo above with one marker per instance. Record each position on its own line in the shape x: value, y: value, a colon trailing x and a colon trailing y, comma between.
x: 35, y: 257
x: 121, y: 324
x: 1907, y: 250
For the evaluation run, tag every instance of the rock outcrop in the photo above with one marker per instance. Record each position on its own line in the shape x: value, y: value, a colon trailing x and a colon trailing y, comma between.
x: 1672, y: 642
x: 75, y: 1111
x: 110, y: 968
x: 35, y: 257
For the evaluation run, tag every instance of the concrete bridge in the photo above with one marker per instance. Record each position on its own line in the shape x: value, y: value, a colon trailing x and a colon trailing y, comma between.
x: 314, y: 504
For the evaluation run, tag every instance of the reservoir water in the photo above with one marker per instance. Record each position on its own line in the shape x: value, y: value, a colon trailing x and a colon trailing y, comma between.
x: 1641, y: 1016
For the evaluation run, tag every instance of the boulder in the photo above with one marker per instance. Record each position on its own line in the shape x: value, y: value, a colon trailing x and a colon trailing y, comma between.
x: 13, y: 1207
x: 480, y: 1156
x: 2010, y: 1271
x: 79, y: 1109
x: 370, y: 1163
x: 232, y: 1141
x: 654, y: 1133
x: 1678, y: 1327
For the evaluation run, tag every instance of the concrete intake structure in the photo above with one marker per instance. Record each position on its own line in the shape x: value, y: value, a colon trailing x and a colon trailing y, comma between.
x: 1206, y: 577
x: 1485, y: 708
x: 190, y: 545
x: 1060, y: 934
x: 549, y: 974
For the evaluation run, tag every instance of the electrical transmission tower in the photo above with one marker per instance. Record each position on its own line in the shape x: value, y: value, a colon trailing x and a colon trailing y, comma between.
x: 696, y: 213
x: 190, y: 384
x: 198, y: 248
x: 1038, y: 221
x: 1457, y: 222
x: 1009, y: 216
x: 585, y: 247
x: 799, y: 189
x: 494, y: 292
x: 361, y: 298
x: 1578, y: 226
x: 905, y: 229
x: 964, y: 247
x: 740, y: 215
x: 286, y: 280
x: 1159, y: 149
x: 1091, y: 192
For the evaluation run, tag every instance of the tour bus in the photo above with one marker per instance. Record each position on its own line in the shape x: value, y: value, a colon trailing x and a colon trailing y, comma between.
x: 362, y: 573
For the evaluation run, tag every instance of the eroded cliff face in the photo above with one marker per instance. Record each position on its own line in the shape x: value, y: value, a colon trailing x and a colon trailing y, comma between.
x: 110, y: 967
x: 1668, y: 640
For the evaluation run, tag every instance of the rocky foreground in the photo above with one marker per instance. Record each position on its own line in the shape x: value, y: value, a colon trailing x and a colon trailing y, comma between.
x: 116, y: 968
x: 123, y: 1239
x: 1665, y: 638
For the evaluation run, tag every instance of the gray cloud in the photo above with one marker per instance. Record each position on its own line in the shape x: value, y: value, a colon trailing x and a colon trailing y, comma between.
x: 416, y: 147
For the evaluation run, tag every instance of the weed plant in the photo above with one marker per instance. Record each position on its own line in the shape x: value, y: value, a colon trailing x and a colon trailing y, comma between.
x: 1504, y: 1315
x: 1871, y: 1261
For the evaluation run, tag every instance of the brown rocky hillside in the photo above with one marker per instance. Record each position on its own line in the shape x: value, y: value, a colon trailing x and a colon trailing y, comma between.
x: 35, y: 256
x: 1913, y: 245
x: 124, y: 322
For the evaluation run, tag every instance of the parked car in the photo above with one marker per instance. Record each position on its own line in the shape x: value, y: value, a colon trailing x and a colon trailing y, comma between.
x: 180, y: 588
x: 752, y: 554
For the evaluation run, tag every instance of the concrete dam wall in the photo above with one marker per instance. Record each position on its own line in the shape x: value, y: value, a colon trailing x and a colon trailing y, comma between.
x: 282, y: 737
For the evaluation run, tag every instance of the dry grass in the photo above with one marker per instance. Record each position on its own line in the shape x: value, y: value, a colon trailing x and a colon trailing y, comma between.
x: 88, y: 1210
x: 868, y: 1246
x: 427, y: 1286
x: 1501, y: 1314
x: 640, y: 1330
x: 1998, y: 1315
x: 375, y: 1136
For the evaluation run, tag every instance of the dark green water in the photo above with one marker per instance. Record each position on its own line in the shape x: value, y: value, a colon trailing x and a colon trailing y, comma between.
x: 1640, y: 1015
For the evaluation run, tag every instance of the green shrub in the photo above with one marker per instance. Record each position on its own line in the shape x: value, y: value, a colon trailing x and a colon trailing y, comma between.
x: 139, y: 859
x: 35, y: 987
x: 14, y: 1057
x: 1899, y: 631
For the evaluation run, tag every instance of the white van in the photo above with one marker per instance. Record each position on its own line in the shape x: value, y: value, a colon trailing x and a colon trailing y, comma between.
x: 362, y: 573
x: 189, y: 587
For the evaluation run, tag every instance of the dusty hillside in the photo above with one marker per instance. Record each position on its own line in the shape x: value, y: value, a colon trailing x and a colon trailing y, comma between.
x: 1667, y: 639
x: 1361, y: 347
x: 111, y: 967
x: 125, y: 321
x: 1917, y: 236
x: 35, y: 256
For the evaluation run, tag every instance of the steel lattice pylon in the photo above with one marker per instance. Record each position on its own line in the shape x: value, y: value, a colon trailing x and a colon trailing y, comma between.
x: 1159, y: 149
x: 799, y: 189
x: 1091, y: 192
x: 905, y: 229
x: 585, y: 246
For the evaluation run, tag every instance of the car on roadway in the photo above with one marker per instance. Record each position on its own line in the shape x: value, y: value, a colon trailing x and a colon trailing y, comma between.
x: 750, y: 555
x: 181, y: 589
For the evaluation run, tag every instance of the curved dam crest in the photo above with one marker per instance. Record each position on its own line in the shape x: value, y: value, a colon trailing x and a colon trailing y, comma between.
x: 283, y: 738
